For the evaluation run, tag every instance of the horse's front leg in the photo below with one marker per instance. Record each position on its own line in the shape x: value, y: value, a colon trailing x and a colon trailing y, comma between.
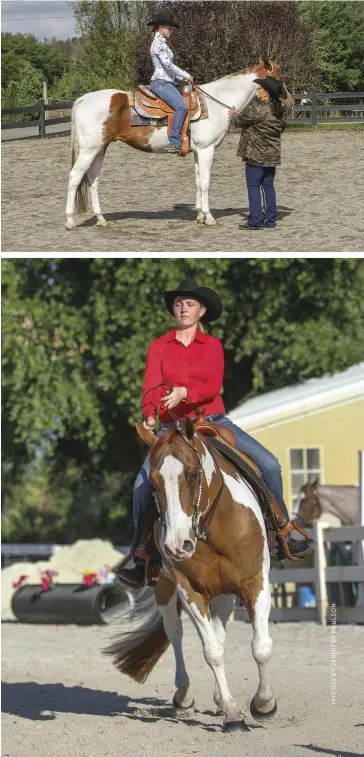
x: 198, y: 205
x: 204, y: 158
x: 197, y: 608
x: 263, y: 705
x: 221, y: 609
x: 166, y: 598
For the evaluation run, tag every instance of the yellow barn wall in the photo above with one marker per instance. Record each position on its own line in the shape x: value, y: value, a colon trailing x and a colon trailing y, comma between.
x: 339, y: 431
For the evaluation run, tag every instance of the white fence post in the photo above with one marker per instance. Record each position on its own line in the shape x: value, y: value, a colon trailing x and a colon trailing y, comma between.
x: 320, y: 577
x: 359, y: 547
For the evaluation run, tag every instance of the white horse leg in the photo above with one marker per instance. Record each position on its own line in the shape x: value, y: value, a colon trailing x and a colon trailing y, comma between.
x: 183, y: 698
x: 81, y: 166
x: 198, y: 206
x: 205, y: 158
x: 214, y: 655
x: 93, y: 174
x: 263, y: 706
x: 221, y: 609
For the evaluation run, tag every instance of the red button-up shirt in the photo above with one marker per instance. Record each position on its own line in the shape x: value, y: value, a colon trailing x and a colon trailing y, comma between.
x: 198, y: 367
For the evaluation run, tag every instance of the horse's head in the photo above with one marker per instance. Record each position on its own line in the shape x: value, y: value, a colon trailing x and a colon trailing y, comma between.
x: 176, y: 472
x: 307, y: 508
x: 266, y: 67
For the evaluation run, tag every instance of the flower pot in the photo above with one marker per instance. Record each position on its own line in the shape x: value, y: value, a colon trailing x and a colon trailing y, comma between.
x: 70, y: 603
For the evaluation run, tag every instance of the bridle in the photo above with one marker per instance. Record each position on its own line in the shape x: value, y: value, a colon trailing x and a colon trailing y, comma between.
x: 197, y: 513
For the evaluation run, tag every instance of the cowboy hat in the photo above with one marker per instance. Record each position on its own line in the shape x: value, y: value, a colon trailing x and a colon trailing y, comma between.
x: 204, y: 295
x: 271, y: 85
x: 164, y: 19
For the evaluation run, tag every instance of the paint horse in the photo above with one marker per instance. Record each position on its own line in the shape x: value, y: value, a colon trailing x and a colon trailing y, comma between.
x: 206, y: 561
x: 99, y: 118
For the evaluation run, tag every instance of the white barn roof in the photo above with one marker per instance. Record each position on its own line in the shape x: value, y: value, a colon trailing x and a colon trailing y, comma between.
x: 299, y: 400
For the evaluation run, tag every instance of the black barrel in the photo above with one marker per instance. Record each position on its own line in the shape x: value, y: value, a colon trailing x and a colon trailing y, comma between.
x: 70, y: 603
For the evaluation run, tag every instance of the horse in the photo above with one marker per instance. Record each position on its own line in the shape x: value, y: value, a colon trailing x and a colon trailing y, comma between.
x: 212, y: 539
x: 337, y: 505
x: 99, y: 118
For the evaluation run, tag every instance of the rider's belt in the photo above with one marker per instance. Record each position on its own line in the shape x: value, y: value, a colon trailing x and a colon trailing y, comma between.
x: 214, y: 418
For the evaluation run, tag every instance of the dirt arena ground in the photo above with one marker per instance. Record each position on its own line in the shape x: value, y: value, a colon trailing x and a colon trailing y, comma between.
x: 62, y: 697
x: 149, y: 199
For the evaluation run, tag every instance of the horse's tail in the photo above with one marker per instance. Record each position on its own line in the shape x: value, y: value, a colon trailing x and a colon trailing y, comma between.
x: 83, y: 189
x: 142, y: 639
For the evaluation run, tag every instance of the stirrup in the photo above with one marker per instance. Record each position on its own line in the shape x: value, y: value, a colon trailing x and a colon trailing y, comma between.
x: 287, y: 529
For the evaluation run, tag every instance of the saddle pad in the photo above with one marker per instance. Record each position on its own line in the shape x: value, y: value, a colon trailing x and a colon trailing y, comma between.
x: 138, y: 120
x: 247, y: 468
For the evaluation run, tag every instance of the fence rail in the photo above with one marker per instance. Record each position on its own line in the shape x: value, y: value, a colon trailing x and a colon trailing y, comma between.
x: 312, y: 113
x: 320, y: 575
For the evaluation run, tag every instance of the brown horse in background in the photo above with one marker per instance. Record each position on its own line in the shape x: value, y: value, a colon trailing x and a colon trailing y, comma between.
x: 212, y: 539
x: 339, y: 504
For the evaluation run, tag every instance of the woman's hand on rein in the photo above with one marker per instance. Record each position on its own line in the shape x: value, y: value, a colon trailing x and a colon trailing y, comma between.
x: 176, y: 396
x: 149, y: 424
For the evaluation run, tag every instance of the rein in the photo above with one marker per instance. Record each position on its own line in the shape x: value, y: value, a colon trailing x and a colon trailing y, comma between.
x: 199, y: 89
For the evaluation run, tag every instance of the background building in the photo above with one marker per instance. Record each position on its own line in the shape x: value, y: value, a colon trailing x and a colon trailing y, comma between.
x: 315, y: 428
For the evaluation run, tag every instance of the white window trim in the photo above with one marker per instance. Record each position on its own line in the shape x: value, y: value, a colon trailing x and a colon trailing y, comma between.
x: 321, y: 470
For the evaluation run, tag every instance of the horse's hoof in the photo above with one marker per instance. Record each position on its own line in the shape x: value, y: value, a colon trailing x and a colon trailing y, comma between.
x: 210, y: 222
x: 262, y: 717
x: 235, y: 725
x: 200, y: 218
x: 102, y: 224
x: 181, y: 707
x: 70, y: 225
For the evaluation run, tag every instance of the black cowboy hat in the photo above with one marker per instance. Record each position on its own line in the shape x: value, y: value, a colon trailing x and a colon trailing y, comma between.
x: 164, y: 19
x: 274, y: 87
x: 207, y: 297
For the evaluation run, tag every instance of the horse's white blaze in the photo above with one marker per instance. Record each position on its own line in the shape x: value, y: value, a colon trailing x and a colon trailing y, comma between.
x: 178, y: 523
x: 213, y: 649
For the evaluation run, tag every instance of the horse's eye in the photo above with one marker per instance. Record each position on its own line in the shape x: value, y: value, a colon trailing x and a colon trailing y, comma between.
x: 193, y: 476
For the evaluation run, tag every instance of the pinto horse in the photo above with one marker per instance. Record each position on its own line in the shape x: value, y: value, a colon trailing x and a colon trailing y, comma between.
x: 99, y: 118
x: 212, y: 540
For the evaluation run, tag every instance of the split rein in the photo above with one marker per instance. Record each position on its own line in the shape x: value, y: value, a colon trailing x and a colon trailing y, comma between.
x: 197, y: 514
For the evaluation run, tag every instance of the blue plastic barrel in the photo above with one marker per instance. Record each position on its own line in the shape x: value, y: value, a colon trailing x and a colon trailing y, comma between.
x: 306, y: 597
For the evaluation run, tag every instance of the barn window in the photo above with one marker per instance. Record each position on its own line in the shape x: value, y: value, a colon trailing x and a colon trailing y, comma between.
x: 305, y: 465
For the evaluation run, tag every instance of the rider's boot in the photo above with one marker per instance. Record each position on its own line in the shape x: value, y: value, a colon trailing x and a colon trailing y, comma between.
x: 134, y: 576
x: 288, y: 547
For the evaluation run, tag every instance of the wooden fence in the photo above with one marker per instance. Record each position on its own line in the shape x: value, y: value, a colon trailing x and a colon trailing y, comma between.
x: 320, y: 575
x: 41, y: 108
x: 318, y: 109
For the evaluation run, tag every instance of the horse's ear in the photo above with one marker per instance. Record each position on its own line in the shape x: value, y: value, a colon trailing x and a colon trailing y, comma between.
x: 146, y: 436
x: 187, y: 427
x: 264, y: 61
x: 316, y: 482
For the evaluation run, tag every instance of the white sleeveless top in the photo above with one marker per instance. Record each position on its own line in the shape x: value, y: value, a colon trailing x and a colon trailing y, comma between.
x: 162, y: 58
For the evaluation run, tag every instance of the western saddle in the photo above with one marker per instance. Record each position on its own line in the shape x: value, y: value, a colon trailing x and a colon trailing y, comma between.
x: 222, y: 441
x: 150, y: 109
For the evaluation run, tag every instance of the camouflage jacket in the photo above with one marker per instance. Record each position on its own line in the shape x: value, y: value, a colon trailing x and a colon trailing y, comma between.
x: 260, y: 140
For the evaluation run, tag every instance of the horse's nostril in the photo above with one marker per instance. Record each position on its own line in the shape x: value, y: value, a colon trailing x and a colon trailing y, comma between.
x: 188, y: 546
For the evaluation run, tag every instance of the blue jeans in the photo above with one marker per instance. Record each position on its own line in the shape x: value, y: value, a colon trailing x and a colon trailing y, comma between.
x: 168, y: 92
x: 265, y: 460
x: 261, y: 178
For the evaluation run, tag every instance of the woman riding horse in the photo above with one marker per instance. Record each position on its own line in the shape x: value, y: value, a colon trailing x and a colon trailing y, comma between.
x: 193, y: 363
x: 164, y: 75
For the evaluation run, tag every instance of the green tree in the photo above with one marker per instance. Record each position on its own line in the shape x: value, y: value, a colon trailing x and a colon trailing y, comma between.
x: 338, y: 28
x: 75, y: 336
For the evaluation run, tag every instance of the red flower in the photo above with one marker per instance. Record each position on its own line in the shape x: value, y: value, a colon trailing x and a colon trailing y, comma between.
x: 17, y: 584
x: 89, y: 579
x: 46, y: 578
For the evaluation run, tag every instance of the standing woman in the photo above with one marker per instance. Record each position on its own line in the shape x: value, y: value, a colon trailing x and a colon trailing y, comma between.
x: 263, y: 123
x: 165, y: 73
x: 193, y: 363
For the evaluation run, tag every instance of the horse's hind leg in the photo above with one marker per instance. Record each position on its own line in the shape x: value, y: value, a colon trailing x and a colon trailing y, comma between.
x: 221, y: 609
x: 166, y: 597
x: 76, y: 177
x: 263, y: 705
x: 93, y: 174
